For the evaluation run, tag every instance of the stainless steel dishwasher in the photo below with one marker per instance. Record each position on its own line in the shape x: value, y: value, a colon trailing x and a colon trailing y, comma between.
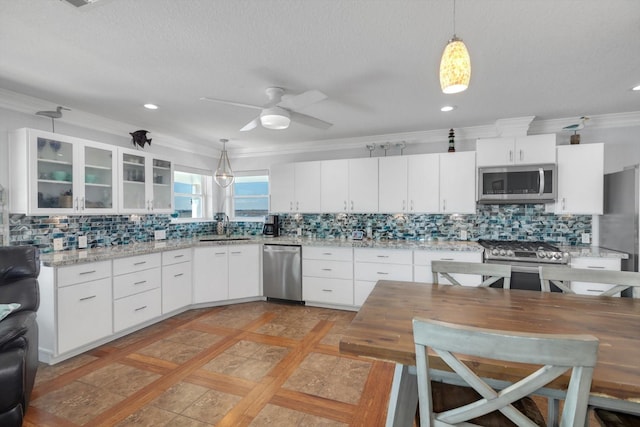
x: 282, y: 272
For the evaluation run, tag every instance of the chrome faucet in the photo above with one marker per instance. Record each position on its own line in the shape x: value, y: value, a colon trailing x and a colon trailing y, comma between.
x: 227, y: 226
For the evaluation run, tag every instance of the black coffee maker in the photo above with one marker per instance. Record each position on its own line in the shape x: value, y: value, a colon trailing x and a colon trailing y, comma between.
x: 271, y: 226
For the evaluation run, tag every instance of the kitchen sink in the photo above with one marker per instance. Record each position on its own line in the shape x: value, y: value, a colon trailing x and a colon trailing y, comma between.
x: 223, y: 239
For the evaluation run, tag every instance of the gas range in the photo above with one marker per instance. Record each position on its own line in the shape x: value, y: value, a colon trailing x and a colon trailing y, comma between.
x: 523, y: 251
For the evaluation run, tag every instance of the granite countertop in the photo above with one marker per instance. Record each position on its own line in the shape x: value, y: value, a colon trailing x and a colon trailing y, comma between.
x: 62, y: 258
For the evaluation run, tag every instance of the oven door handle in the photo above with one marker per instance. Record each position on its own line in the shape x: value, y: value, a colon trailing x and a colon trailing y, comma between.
x: 524, y: 269
x: 541, y: 172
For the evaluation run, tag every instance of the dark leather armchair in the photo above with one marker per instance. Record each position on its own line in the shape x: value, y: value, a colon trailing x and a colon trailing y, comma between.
x: 19, y: 270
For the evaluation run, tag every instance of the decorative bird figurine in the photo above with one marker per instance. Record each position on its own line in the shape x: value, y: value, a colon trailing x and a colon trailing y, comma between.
x: 139, y: 137
x: 575, y: 138
x: 53, y: 115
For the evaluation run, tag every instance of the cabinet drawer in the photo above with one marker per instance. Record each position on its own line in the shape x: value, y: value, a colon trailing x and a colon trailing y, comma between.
x: 174, y: 257
x: 83, y: 272
x: 328, y: 253
x: 328, y: 269
x: 596, y: 263
x: 374, y: 272
x: 330, y: 291
x: 584, y: 288
x: 134, y: 283
x: 136, y: 309
x: 136, y: 263
x: 77, y: 304
x: 386, y: 256
x: 425, y: 257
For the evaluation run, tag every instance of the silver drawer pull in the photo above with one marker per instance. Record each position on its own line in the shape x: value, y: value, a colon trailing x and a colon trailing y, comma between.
x: 86, y: 298
x: 140, y: 308
x: 140, y: 263
x: 87, y: 272
x: 327, y: 269
x: 178, y: 256
x: 236, y: 253
x: 595, y: 290
x: 327, y: 290
x: 327, y: 253
x: 446, y: 259
x: 595, y: 266
x: 140, y: 282
x: 220, y: 253
x: 383, y: 256
x: 382, y: 272
x: 178, y: 275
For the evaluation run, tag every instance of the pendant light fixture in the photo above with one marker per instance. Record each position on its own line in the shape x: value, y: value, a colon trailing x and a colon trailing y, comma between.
x: 455, y: 65
x: 224, y: 175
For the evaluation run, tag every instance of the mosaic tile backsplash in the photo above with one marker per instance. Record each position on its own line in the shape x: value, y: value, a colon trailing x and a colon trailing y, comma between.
x: 502, y: 222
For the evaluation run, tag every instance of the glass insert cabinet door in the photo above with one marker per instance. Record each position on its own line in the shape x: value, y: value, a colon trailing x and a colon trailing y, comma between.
x: 98, y: 179
x: 55, y: 174
x: 162, y: 191
x: 134, y: 190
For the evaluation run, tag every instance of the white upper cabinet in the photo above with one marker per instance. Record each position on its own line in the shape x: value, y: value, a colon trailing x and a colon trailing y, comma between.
x: 520, y: 150
x: 146, y: 183
x: 53, y: 174
x: 580, y: 179
x: 409, y: 183
x: 295, y: 187
x: 458, y: 182
x: 349, y: 185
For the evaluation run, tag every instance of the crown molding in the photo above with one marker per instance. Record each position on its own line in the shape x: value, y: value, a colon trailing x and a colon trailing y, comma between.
x: 26, y: 104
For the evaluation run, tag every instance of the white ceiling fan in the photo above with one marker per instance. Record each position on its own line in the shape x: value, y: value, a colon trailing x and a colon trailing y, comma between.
x: 278, y: 113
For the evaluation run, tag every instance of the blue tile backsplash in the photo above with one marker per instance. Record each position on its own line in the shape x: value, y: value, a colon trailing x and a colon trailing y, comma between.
x: 503, y: 222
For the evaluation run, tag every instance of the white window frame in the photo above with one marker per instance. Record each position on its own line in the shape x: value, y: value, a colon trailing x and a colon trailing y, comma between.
x: 206, y: 196
x: 231, y: 197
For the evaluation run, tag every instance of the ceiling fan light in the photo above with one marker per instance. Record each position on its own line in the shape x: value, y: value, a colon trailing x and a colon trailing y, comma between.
x: 275, y: 118
x: 455, y: 67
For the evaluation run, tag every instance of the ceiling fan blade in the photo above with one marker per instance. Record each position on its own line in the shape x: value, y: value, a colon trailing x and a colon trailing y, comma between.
x: 251, y: 125
x: 237, y: 104
x: 310, y: 121
x: 305, y: 99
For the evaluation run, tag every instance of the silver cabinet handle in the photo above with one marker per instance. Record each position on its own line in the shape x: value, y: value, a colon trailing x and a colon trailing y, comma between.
x: 327, y: 290
x: 140, y: 263
x: 327, y: 269
x: 178, y: 275
x: 382, y: 273
x: 83, y: 204
x: 87, y: 272
x: 404, y: 205
x: 140, y: 308
x: 352, y: 205
x: 511, y: 155
x: 446, y: 259
x: 151, y: 204
x: 178, y: 256
x: 291, y: 205
x: 220, y: 253
x: 564, y: 204
x: 382, y: 256
x: 87, y: 298
x: 75, y: 208
x: 327, y: 253
x: 521, y: 155
x: 595, y: 266
x: 140, y: 282
x: 297, y: 206
x: 345, y: 205
x: 236, y: 253
x: 444, y: 204
x: 411, y: 205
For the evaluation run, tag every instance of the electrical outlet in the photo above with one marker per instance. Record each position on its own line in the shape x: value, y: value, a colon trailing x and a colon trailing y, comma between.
x: 82, y: 242
x: 299, y: 231
x: 160, y: 234
x: 463, y: 235
x: 586, y: 238
x: 58, y: 244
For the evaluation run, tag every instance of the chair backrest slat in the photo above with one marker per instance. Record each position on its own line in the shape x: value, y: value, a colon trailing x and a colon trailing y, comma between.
x: 493, y: 272
x: 554, y: 354
x: 561, y: 276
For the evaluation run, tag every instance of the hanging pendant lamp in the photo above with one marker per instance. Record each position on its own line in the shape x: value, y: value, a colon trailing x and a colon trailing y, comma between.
x: 224, y: 175
x: 455, y: 65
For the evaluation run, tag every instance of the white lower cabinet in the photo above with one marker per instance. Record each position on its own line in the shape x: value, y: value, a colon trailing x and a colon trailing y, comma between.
x: 371, y: 265
x: 327, y: 275
x: 176, y: 280
x: 84, y: 313
x: 244, y: 271
x: 226, y: 272
x: 136, y: 290
x: 422, y: 266
x: 591, y: 263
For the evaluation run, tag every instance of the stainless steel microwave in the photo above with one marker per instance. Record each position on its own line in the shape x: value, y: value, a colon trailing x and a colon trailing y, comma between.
x: 517, y: 184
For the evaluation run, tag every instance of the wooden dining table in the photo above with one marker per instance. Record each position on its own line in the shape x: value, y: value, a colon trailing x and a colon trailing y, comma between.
x: 382, y: 329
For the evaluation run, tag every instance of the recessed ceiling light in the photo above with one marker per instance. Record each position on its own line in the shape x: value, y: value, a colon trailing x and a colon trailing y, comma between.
x: 151, y: 106
x: 636, y: 88
x: 447, y: 108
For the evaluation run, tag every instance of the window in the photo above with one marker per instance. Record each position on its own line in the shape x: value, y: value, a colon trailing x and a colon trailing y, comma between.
x: 250, y: 194
x: 191, y: 192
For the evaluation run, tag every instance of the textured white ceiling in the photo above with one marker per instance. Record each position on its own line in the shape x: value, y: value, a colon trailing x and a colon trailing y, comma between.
x: 377, y: 60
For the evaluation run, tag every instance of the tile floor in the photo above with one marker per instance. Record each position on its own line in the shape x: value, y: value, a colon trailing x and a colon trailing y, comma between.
x: 254, y: 364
